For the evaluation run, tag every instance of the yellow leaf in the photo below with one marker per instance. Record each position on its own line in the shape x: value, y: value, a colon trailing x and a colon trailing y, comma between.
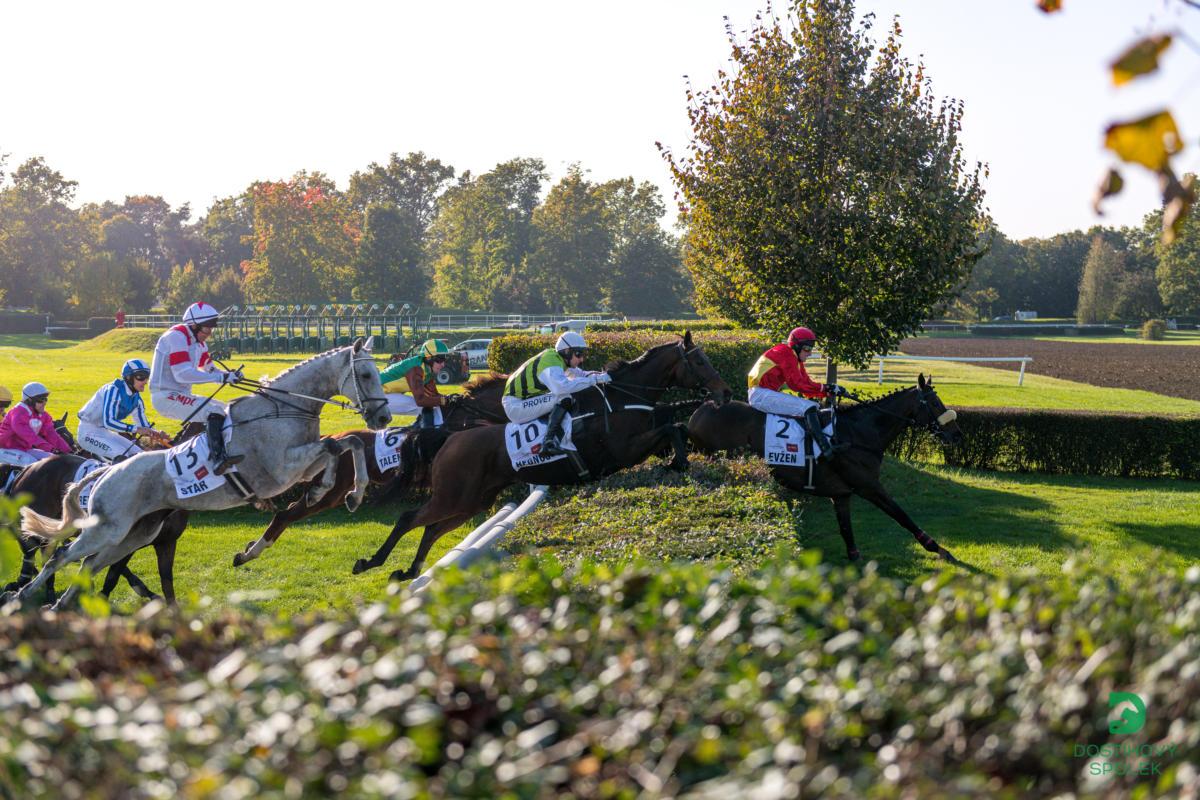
x: 1149, y: 141
x: 1178, y: 197
x: 1049, y: 6
x: 1112, y: 184
x: 1139, y: 59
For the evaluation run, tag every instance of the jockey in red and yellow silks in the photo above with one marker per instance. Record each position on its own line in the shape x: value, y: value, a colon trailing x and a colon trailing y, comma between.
x: 783, y: 365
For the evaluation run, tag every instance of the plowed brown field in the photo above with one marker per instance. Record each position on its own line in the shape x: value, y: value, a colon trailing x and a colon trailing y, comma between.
x: 1172, y: 370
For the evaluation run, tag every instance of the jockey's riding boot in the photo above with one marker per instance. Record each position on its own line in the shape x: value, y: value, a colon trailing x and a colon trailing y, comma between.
x: 552, y: 442
x: 221, y: 460
x: 428, y: 418
x: 812, y: 424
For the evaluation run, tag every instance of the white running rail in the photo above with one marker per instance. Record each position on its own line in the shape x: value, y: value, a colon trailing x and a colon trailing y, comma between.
x: 483, y: 538
x: 1020, y: 377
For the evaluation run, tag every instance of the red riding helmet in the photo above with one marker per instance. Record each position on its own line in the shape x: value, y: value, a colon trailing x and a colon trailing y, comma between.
x: 801, y: 336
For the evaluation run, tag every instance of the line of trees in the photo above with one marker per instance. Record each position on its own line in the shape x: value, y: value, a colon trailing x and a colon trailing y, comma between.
x: 1097, y: 275
x: 406, y: 229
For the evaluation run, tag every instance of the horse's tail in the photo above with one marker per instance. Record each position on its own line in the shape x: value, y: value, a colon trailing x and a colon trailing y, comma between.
x: 73, y: 516
x: 416, y: 455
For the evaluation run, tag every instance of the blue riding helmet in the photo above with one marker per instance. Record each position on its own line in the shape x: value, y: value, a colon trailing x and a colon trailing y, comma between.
x: 134, y: 366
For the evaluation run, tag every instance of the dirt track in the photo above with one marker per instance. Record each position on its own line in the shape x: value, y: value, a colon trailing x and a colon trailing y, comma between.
x: 1172, y: 370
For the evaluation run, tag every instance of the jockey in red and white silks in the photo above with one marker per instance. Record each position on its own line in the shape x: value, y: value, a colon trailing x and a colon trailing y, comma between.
x: 181, y: 359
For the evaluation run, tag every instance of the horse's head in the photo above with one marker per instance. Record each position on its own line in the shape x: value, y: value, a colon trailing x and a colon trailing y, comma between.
x: 60, y: 425
x: 693, y: 370
x: 361, y: 381
x: 933, y: 414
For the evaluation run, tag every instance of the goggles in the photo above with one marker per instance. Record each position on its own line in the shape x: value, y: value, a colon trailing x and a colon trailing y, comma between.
x: 141, y: 375
x: 41, y: 398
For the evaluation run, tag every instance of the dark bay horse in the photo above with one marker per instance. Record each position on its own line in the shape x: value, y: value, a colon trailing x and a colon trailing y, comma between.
x: 479, y: 404
x: 868, y: 427
x: 614, y: 428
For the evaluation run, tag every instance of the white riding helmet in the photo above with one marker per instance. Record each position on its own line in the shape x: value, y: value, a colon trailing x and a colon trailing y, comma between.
x: 200, y: 314
x: 570, y: 341
x: 32, y: 390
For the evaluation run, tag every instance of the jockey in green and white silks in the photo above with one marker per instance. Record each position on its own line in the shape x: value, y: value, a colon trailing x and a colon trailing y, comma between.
x: 102, y: 420
x: 181, y: 359
x: 544, y: 384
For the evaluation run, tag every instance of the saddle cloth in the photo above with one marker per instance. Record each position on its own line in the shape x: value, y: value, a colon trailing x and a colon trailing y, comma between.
x: 188, y: 466
x: 85, y: 469
x: 387, y: 448
x: 785, y: 441
x: 524, y: 441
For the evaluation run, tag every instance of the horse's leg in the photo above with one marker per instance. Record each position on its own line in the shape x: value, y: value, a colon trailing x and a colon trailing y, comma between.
x: 644, y: 445
x: 878, y: 495
x: 164, y: 550
x: 298, y: 510
x: 405, y: 523
x: 428, y: 540
x: 841, y: 507
x: 362, y: 476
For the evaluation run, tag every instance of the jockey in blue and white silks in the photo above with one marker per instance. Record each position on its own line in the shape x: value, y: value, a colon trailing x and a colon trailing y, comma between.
x: 102, y: 420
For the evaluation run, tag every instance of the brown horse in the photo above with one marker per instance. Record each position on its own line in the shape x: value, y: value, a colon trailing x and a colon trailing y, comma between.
x: 614, y: 428
x: 479, y: 404
x: 868, y: 428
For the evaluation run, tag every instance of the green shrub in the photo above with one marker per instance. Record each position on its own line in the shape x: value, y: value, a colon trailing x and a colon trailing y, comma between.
x: 1065, y: 442
x: 671, y: 325
x: 536, y: 679
x: 1154, y: 329
x: 732, y: 353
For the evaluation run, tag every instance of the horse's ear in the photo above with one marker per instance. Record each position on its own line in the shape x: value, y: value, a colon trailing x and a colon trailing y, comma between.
x: 63, y: 419
x: 687, y: 339
x: 358, y: 344
x: 921, y: 379
x: 369, y: 345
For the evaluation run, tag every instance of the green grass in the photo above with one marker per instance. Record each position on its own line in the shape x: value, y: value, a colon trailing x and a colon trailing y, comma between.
x: 996, y: 523
x: 965, y: 384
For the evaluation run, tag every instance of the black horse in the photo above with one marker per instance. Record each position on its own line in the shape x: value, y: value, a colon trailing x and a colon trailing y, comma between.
x: 614, y: 427
x: 868, y: 428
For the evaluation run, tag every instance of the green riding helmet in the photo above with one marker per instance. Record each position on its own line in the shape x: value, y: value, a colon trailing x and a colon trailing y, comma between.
x: 434, y: 348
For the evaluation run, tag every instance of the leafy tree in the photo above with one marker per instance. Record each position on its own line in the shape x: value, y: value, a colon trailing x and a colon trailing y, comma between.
x: 1179, y: 269
x: 102, y: 283
x: 228, y: 231
x: 572, y: 243
x: 481, y: 238
x: 825, y: 184
x: 1102, y: 274
x: 411, y: 184
x: 1055, y: 268
x: 304, y: 241
x: 1137, y: 297
x: 999, y: 282
x: 41, y: 237
x: 389, y: 263
x: 646, y: 275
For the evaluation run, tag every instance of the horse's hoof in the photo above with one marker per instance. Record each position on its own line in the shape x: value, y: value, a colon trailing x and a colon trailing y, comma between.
x: 352, y: 503
x: 853, y: 555
x: 678, y: 466
x: 946, y: 555
x: 402, y: 575
x: 360, y: 566
x: 239, y: 559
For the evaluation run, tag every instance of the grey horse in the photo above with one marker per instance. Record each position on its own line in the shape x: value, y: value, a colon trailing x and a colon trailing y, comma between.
x: 278, y: 430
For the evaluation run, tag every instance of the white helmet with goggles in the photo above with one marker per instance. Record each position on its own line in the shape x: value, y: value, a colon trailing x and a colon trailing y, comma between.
x: 201, y: 314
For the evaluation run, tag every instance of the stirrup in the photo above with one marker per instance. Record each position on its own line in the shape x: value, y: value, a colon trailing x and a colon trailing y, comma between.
x: 227, y: 462
x: 552, y: 447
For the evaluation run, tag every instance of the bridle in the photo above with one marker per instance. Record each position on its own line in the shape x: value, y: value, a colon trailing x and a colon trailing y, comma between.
x: 364, y: 409
x: 936, y: 423
x: 692, y: 372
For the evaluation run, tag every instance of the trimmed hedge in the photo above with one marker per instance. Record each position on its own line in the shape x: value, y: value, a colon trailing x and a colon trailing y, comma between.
x: 1065, y: 442
x: 732, y: 353
x: 17, y: 322
x: 534, y: 679
x: 670, y: 325
x: 1024, y: 329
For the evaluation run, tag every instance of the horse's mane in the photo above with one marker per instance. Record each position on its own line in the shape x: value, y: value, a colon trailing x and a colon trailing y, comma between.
x: 309, y: 360
x: 877, y: 400
x: 482, y: 383
x: 621, y: 365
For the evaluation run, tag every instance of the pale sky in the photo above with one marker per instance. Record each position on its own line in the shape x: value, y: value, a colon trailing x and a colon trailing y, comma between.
x: 193, y: 101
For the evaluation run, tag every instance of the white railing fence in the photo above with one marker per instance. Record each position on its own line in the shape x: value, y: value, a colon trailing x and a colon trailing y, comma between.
x: 1020, y: 375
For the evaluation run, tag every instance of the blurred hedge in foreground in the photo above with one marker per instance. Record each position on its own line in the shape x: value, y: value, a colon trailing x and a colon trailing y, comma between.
x: 535, y: 680
x: 1065, y: 442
